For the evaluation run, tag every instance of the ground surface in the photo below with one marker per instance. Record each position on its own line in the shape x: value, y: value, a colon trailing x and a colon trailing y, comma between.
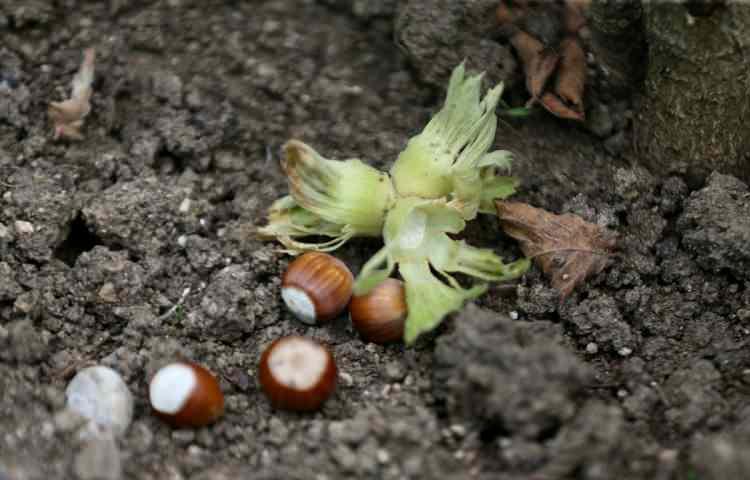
x: 642, y: 373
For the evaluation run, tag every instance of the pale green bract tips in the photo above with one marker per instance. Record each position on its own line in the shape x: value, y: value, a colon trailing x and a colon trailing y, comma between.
x: 444, y: 177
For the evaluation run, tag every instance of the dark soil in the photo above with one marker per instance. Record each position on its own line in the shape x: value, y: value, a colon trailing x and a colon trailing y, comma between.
x: 643, y: 373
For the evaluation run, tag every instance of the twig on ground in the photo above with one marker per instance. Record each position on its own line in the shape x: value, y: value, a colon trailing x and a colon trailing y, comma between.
x: 176, y: 306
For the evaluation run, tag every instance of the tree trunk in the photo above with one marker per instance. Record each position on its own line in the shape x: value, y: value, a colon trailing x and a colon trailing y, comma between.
x: 694, y: 114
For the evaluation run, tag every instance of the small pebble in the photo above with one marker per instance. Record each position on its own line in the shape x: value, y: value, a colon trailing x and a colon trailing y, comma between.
x: 185, y: 206
x: 383, y: 456
x: 346, y: 379
x: 395, y: 371
x: 592, y: 348
x: 599, y: 120
x: 458, y: 430
x: 625, y: 351
x: 99, y: 460
x: 183, y: 437
x: 23, y: 228
x: 100, y: 394
x: 68, y: 420
x: 4, y: 232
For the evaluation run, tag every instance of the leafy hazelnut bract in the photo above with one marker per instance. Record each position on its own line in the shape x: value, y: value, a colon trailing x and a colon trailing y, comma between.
x: 443, y: 179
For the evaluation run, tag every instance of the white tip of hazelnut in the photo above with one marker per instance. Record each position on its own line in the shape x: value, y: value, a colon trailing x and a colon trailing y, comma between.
x: 99, y: 394
x: 299, y: 303
x: 171, y: 387
x: 298, y: 363
x: 186, y: 394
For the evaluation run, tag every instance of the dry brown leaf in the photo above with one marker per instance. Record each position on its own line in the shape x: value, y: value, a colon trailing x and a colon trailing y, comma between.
x: 574, y: 19
x: 538, y: 62
x: 572, y: 74
x: 558, y: 108
x: 67, y: 116
x: 568, y: 248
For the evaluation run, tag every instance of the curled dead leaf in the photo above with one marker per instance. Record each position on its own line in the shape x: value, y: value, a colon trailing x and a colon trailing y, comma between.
x: 574, y: 19
x: 67, y: 116
x: 538, y: 62
x: 568, y: 249
x: 571, y: 76
x: 554, y: 105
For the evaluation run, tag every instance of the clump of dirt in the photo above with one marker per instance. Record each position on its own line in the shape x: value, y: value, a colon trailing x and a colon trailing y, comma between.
x: 640, y: 373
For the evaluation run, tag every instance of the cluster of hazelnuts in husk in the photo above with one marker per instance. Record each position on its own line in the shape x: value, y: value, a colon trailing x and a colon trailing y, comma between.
x: 296, y: 373
x: 546, y: 36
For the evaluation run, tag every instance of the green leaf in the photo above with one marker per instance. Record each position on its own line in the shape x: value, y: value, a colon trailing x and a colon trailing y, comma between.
x: 416, y: 238
x: 371, y: 275
x: 429, y: 299
x: 496, y: 188
x: 517, y: 112
x: 483, y: 263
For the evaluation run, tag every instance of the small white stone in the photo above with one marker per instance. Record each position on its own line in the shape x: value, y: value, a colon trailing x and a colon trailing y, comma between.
x: 182, y: 241
x: 514, y: 315
x: 346, y: 379
x: 171, y: 388
x: 625, y: 351
x: 185, y: 206
x: 458, y: 430
x: 99, y: 394
x: 23, y: 228
x: 592, y: 348
x: 300, y: 304
x: 383, y: 456
x: 99, y: 459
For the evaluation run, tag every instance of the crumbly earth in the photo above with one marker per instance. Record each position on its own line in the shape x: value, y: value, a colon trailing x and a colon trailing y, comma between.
x: 643, y: 373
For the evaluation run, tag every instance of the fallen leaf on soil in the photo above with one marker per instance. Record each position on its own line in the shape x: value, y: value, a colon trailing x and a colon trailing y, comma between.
x: 557, y: 107
x: 538, y: 62
x: 68, y: 115
x: 568, y: 248
x: 572, y: 74
x: 541, y: 59
x: 574, y: 18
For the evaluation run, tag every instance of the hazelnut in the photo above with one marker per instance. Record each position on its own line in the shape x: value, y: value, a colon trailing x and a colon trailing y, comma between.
x: 317, y: 287
x: 185, y: 394
x: 297, y: 373
x: 380, y: 315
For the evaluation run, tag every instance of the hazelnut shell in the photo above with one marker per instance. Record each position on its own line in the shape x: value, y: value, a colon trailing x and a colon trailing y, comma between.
x: 205, y: 403
x: 285, y: 397
x: 326, y: 282
x: 380, y: 315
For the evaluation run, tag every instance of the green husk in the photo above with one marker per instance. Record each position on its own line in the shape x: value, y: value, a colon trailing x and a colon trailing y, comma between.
x: 330, y: 198
x: 443, y: 179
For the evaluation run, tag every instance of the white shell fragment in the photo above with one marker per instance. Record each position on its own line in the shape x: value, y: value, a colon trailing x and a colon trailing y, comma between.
x: 171, y: 388
x: 99, y: 394
x: 300, y: 304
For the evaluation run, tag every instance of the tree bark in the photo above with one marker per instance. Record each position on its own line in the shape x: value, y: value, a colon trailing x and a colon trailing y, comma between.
x: 694, y: 114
